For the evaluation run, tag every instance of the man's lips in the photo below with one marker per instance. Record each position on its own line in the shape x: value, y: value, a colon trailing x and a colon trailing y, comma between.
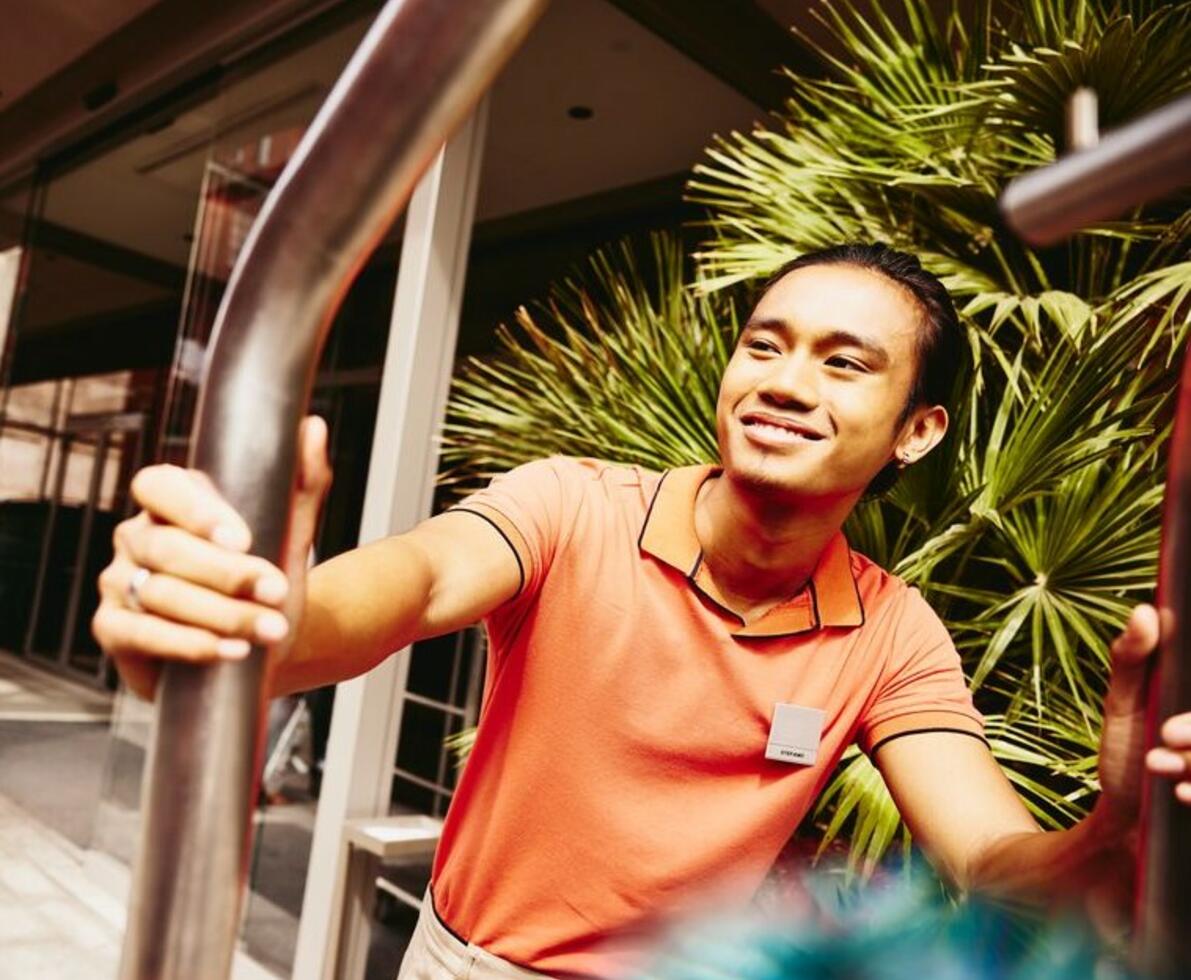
x: 778, y: 430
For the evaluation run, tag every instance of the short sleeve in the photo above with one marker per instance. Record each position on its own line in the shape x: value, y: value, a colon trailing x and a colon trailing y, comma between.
x: 923, y: 687
x: 531, y: 506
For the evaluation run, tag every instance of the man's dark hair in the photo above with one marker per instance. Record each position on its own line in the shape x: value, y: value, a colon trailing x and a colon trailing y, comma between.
x: 940, y: 338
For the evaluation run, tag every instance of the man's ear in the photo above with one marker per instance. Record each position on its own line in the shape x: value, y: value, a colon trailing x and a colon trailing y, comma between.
x: 923, y: 430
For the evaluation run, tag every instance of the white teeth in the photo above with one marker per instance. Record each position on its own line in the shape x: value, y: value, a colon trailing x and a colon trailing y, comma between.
x: 777, y: 431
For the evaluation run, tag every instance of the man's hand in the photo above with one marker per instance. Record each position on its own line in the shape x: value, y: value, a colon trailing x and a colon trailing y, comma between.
x: 200, y: 596
x: 1123, y: 759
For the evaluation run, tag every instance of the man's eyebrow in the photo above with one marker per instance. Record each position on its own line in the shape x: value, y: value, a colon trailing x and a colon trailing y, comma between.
x: 845, y: 338
x: 766, y: 323
x: 834, y: 338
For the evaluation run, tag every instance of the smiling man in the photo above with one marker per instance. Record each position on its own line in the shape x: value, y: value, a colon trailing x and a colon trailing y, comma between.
x: 677, y: 661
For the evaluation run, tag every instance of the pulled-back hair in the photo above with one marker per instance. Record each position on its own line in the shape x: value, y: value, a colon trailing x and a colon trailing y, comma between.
x: 940, y: 338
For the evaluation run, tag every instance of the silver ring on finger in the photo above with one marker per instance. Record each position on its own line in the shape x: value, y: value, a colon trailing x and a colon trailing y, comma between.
x: 132, y: 592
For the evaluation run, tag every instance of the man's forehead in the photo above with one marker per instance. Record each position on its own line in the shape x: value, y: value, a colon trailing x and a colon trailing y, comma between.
x: 840, y: 298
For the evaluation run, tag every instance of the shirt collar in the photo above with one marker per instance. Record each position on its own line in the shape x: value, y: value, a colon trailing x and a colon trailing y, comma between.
x: 831, y: 598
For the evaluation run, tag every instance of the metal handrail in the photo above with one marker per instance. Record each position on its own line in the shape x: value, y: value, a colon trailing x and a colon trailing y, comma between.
x: 1139, y: 162
x: 419, y: 70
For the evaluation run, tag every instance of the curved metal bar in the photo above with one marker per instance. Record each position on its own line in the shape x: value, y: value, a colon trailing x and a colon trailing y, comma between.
x: 1142, y: 161
x: 421, y: 67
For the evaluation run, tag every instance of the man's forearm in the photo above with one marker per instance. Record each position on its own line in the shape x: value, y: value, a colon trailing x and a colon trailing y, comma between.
x: 360, y: 607
x: 1053, y: 865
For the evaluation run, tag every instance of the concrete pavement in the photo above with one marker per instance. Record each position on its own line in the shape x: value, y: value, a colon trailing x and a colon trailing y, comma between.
x: 62, y: 902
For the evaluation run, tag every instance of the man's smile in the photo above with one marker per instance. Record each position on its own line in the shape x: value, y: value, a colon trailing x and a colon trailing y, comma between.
x: 768, y: 429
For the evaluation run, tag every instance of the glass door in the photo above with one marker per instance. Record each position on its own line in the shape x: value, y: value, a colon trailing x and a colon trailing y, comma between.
x: 94, y: 438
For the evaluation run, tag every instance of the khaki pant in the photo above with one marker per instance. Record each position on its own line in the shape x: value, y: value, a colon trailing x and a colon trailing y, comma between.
x: 434, y: 953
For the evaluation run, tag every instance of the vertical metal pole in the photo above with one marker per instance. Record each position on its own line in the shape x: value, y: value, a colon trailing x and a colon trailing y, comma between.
x: 12, y: 261
x: 358, y: 772
x: 1163, y: 930
x: 418, y: 71
x: 55, y: 408
x: 10, y: 271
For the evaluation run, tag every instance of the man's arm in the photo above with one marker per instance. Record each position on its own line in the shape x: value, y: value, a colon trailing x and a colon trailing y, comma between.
x: 181, y: 585
x: 445, y: 574
x: 965, y: 814
x: 972, y: 825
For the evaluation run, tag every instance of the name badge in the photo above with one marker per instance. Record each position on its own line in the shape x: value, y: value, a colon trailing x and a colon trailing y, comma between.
x: 794, y: 734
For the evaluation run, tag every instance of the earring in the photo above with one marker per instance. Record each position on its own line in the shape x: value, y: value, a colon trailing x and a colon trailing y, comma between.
x: 903, y: 459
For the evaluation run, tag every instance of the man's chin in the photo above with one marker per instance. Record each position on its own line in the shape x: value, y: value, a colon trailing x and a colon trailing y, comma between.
x: 781, y: 478
x: 769, y: 476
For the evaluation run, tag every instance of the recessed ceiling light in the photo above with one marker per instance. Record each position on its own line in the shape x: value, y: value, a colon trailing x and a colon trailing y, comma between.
x: 581, y: 112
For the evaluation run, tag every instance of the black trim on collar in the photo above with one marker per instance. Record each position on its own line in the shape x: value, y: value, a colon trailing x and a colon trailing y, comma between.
x: 649, y: 512
x: 855, y: 585
x: 810, y: 584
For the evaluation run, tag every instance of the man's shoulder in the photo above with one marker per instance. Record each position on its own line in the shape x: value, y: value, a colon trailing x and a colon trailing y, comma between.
x: 881, y: 591
x: 585, y: 474
x: 871, y: 577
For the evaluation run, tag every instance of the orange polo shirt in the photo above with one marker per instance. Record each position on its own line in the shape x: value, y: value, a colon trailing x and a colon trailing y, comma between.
x: 619, y: 769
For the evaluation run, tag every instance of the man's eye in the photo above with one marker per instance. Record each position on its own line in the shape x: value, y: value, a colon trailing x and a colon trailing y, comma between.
x: 846, y: 363
x: 762, y: 345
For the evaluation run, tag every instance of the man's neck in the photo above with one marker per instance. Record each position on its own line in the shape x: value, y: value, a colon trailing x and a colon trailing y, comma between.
x: 758, y: 549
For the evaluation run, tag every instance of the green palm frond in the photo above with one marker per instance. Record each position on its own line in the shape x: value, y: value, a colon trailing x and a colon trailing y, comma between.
x: 912, y: 137
x: 856, y: 801
x: 622, y: 364
x: 1133, y: 56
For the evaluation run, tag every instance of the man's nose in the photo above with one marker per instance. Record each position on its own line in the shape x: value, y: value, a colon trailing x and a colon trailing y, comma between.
x: 793, y: 381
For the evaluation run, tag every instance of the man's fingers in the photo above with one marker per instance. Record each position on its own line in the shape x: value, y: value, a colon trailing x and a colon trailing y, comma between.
x: 1172, y: 760
x: 171, y: 550
x: 1131, y: 651
x: 1138, y: 640
x: 313, y: 482
x: 198, y: 595
x: 121, y: 630
x: 184, y: 602
x: 1174, y: 766
x: 1167, y: 762
x: 314, y: 471
x: 188, y: 499
x: 1176, y: 731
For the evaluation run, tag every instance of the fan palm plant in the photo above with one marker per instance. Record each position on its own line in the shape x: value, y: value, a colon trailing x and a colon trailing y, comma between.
x: 1034, y: 528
